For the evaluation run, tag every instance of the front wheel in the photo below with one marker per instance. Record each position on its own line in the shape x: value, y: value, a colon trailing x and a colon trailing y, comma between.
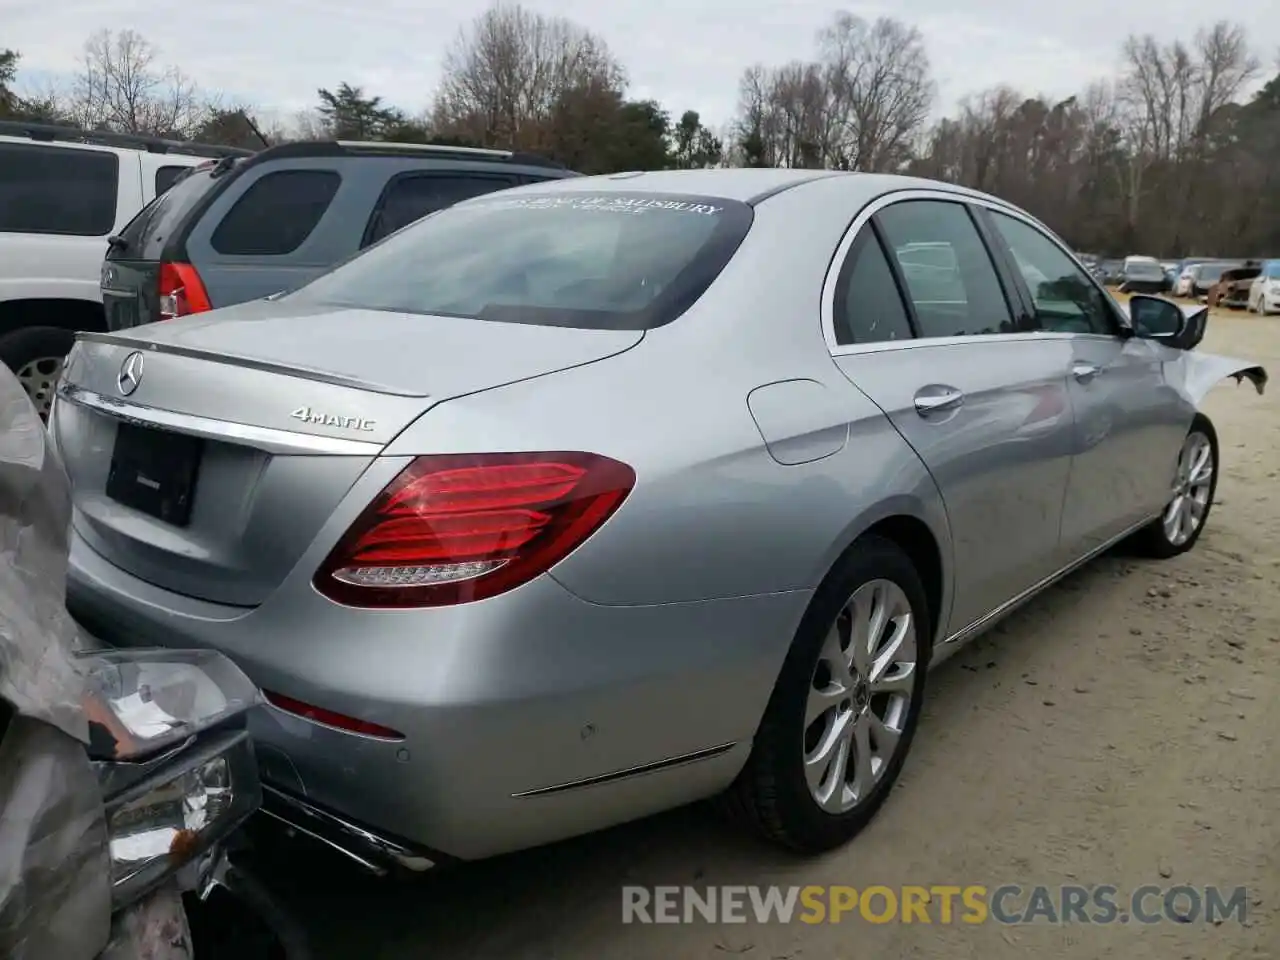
x: 1195, y: 482
x: 845, y: 706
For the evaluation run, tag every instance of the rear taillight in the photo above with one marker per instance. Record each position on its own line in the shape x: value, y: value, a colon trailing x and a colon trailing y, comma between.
x: 181, y: 291
x: 457, y: 528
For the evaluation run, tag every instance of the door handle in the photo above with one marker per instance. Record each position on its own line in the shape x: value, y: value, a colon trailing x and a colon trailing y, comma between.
x: 935, y: 399
x: 1084, y: 372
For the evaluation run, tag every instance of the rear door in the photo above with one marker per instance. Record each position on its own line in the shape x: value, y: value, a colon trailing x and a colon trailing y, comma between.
x: 1128, y: 421
x: 978, y: 393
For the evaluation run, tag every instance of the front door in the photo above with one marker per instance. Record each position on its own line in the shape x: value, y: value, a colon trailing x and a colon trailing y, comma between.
x: 1127, y: 430
x: 985, y: 407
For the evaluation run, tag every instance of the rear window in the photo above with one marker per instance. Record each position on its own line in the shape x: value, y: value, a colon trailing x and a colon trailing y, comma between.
x: 276, y: 214
x: 57, y: 190
x: 145, y: 235
x: 1143, y: 268
x: 1212, y: 271
x: 610, y: 261
x: 167, y: 176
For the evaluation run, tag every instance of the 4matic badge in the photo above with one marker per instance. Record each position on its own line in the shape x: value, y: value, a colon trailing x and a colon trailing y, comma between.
x: 311, y: 415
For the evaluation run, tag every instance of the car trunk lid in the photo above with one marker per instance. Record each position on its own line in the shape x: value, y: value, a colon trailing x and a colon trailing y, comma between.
x: 209, y: 465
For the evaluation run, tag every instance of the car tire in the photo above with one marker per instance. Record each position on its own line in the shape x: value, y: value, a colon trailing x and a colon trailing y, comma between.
x: 1161, y: 538
x: 36, y: 355
x: 772, y: 794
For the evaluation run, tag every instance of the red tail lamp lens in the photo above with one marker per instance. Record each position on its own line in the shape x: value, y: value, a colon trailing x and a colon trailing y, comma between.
x: 454, y: 529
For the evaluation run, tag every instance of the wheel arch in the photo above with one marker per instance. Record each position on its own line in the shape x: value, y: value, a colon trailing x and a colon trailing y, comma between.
x: 923, y: 535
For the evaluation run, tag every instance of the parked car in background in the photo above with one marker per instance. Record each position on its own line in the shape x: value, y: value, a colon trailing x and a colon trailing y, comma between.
x: 1264, y: 292
x: 241, y: 230
x: 1184, y: 284
x: 63, y: 192
x: 1110, y: 272
x: 1205, y: 275
x: 471, y: 512
x: 1171, y: 270
x: 1143, y: 275
x: 1233, y: 286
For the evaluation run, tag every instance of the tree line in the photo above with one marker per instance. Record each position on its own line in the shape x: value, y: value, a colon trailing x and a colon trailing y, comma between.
x: 1170, y: 156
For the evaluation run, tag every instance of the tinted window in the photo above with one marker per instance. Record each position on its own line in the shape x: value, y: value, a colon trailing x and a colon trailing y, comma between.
x: 1065, y: 299
x: 964, y: 297
x: 619, y: 261
x: 165, y: 177
x: 1144, y: 270
x: 869, y: 308
x: 412, y: 197
x: 145, y: 235
x: 276, y: 214
x: 57, y: 190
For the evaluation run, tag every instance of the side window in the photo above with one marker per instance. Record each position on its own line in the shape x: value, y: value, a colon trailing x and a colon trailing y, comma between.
x: 166, y: 176
x: 413, y: 197
x: 868, y: 306
x: 57, y: 190
x: 275, y: 216
x: 1065, y: 300
x: 948, y: 271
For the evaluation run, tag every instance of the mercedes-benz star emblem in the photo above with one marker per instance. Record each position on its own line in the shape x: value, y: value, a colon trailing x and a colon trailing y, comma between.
x: 130, y: 374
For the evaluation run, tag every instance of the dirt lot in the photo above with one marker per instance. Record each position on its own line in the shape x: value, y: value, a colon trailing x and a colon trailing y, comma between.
x: 1122, y: 729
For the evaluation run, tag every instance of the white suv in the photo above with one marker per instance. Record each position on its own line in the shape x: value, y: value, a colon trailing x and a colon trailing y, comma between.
x: 63, y: 193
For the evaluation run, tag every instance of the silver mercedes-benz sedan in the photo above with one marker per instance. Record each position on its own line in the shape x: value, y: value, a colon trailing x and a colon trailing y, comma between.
x: 584, y: 500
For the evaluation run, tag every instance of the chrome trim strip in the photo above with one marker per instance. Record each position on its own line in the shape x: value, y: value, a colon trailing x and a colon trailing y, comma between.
x: 268, y: 439
x: 947, y: 196
x: 248, y: 363
x: 988, y: 619
x: 670, y: 762
x: 370, y: 850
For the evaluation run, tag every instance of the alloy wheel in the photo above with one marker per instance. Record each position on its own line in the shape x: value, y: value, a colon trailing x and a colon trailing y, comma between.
x: 860, y: 696
x: 1191, y: 489
x: 39, y: 377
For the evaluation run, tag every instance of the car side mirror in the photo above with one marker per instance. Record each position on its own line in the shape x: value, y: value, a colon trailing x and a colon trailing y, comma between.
x: 1154, y: 318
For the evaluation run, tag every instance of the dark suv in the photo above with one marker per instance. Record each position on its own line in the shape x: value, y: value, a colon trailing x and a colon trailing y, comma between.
x: 237, y: 229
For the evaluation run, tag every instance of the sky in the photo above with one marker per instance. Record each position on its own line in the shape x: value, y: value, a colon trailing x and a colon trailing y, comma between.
x: 274, y: 54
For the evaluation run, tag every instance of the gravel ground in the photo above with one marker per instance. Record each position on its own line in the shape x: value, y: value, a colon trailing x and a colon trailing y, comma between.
x: 1121, y: 729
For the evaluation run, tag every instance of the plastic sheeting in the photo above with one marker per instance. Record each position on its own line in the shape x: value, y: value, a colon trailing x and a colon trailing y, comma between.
x: 55, y: 895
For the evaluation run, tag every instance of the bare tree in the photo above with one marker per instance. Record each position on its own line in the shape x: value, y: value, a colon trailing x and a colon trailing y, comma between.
x: 879, y: 91
x: 506, y: 75
x: 123, y: 86
x: 860, y: 105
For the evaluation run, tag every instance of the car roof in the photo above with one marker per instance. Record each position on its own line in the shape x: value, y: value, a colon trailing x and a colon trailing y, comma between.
x: 746, y: 184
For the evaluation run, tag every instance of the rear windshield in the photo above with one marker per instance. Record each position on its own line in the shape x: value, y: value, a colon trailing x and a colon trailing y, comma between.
x: 605, y: 261
x: 145, y: 234
x: 1212, y: 271
x: 1143, y: 268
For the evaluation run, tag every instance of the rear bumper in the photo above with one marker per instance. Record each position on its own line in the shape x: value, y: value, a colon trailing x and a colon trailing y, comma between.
x: 527, y: 718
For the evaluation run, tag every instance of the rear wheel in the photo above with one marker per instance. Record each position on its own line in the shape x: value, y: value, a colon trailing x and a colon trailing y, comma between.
x: 844, y: 710
x: 1195, y: 483
x: 36, y: 356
